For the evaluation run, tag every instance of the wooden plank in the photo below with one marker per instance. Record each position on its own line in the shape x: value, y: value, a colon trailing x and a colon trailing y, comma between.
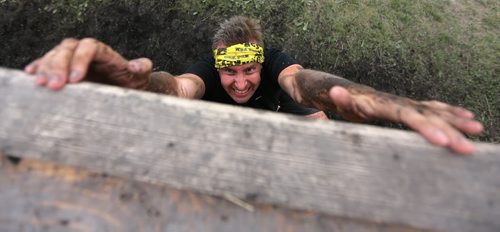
x: 348, y: 170
x: 42, y: 196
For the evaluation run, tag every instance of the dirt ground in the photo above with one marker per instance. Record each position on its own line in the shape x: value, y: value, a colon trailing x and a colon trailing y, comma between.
x: 165, y: 35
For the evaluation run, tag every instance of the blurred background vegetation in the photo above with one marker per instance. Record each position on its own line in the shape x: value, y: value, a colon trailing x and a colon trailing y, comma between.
x: 447, y: 50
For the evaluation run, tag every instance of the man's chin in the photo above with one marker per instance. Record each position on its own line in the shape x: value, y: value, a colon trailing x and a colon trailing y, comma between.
x: 241, y: 100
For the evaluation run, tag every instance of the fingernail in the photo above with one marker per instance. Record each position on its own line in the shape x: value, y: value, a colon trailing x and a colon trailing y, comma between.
x: 31, y: 68
x: 40, y: 79
x: 54, y: 80
x: 74, y: 76
x: 135, y: 66
x: 466, y: 145
x: 469, y: 114
x: 28, y: 69
x: 479, y: 127
x: 440, y: 137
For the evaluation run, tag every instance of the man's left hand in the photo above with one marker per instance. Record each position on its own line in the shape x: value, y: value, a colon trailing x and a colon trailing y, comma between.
x: 441, y: 124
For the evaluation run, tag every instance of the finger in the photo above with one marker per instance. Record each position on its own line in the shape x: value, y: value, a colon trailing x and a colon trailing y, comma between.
x: 105, y: 63
x: 462, y: 145
x: 467, y: 125
x: 53, y: 68
x: 458, y: 111
x: 60, y: 64
x: 462, y: 112
x: 437, y: 132
x: 420, y: 124
x: 458, y: 142
x: 83, y: 56
x: 140, y: 66
x: 31, y: 67
x: 460, y: 118
x: 41, y: 78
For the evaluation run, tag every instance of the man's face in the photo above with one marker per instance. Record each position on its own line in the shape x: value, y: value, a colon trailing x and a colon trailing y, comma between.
x: 241, y: 81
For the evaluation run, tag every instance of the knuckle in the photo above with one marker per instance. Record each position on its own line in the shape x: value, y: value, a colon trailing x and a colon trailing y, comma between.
x: 89, y: 40
x: 49, y: 54
x: 40, y: 69
x: 67, y: 44
x: 436, y: 103
x: 53, y: 65
x: 69, y: 41
x: 146, y: 62
x: 431, y: 103
x: 81, y: 55
x: 44, y: 71
x: 34, y: 63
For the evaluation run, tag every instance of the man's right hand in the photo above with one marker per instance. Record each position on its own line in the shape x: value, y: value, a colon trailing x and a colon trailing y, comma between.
x: 74, y: 60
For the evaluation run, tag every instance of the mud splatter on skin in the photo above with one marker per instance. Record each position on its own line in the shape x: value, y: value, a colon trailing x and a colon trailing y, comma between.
x: 162, y: 82
x: 165, y: 83
x: 314, y: 87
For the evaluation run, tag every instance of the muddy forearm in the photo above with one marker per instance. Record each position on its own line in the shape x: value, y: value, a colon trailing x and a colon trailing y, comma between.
x: 162, y: 82
x: 314, y: 87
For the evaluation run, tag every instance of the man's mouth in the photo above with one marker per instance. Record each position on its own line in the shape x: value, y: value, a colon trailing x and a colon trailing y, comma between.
x: 241, y: 92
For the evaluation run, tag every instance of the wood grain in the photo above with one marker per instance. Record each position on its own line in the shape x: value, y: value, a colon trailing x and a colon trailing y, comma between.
x: 42, y: 196
x: 347, y: 170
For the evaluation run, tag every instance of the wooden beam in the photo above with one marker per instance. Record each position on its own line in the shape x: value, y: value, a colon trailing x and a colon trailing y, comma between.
x: 42, y: 196
x: 347, y: 170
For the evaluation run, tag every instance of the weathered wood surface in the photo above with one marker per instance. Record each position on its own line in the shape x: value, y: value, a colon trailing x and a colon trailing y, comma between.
x: 40, y: 196
x: 348, y: 170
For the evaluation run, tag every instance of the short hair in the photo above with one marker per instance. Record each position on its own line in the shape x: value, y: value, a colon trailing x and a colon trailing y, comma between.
x: 236, y: 30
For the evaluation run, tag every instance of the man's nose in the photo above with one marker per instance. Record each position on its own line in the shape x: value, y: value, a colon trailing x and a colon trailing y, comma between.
x: 240, y: 82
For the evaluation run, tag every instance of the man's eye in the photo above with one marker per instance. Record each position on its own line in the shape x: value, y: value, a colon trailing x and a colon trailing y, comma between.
x: 251, y: 70
x: 228, y: 71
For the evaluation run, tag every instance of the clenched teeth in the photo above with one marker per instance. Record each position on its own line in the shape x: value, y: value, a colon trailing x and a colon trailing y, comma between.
x: 241, y: 91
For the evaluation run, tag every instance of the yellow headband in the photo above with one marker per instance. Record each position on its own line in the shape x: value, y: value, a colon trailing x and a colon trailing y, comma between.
x: 238, y: 54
